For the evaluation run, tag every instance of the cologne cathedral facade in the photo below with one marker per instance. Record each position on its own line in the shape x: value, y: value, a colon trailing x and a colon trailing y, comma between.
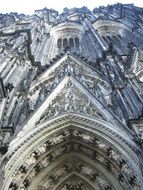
x: 71, y: 99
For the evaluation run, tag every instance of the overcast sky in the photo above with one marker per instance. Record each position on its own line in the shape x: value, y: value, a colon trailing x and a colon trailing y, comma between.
x: 28, y: 6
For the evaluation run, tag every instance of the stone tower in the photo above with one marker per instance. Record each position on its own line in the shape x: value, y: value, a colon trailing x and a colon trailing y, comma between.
x: 71, y: 99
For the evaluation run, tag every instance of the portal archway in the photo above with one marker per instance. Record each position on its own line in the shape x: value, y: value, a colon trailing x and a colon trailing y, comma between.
x: 105, y: 151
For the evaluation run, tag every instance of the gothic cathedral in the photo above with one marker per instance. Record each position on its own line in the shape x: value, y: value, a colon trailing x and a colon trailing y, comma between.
x: 71, y: 99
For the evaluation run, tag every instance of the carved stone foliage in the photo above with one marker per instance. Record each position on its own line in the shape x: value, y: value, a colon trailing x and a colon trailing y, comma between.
x: 74, y: 185
x: 70, y: 99
x: 74, y: 141
x: 75, y: 166
x: 85, y: 76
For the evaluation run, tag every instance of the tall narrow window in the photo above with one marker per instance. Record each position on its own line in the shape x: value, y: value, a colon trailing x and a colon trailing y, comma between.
x: 65, y: 43
x: 59, y: 43
x: 77, y: 42
x: 71, y: 42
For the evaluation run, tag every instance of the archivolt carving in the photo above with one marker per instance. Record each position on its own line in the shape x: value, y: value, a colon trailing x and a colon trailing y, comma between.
x: 75, y: 182
x: 70, y: 120
x: 88, y: 172
x: 97, y: 149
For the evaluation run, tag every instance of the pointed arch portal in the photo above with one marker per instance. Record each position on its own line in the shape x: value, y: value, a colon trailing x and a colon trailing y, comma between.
x: 72, y: 151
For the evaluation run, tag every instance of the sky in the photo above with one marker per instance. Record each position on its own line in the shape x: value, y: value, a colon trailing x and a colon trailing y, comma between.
x: 28, y: 6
